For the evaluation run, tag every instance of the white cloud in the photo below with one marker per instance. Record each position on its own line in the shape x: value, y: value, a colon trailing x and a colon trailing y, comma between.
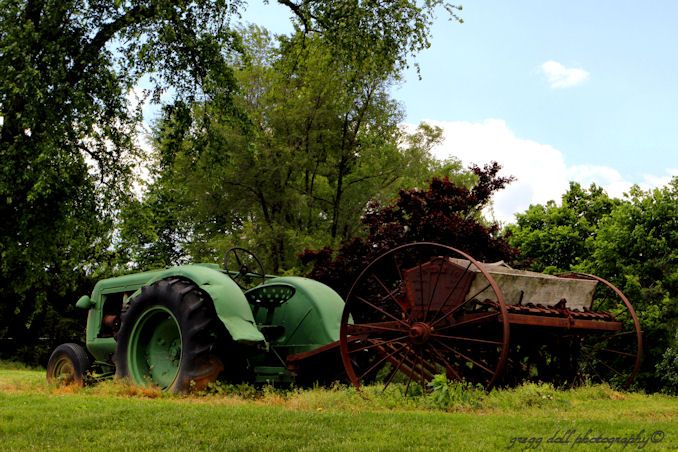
x: 540, y: 169
x: 560, y: 76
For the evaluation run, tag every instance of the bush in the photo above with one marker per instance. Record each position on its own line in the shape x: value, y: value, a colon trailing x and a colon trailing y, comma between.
x: 667, y: 369
x: 447, y: 394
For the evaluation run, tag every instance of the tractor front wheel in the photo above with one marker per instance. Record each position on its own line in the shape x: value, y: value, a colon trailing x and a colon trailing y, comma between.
x: 169, y: 337
x: 67, y: 365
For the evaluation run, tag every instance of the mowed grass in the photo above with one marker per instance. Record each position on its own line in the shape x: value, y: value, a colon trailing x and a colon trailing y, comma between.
x: 114, y: 416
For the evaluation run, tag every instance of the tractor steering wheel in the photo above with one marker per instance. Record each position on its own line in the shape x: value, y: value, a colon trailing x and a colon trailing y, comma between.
x: 244, y: 268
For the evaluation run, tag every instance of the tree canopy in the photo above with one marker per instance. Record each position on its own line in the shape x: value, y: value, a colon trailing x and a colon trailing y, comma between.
x: 447, y: 212
x: 68, y: 130
x: 308, y: 141
x: 632, y: 242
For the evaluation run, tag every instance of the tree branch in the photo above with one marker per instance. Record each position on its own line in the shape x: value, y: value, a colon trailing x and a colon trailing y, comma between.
x: 136, y: 15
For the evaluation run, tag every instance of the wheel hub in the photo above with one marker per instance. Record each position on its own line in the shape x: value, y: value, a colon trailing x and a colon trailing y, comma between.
x: 155, y: 348
x: 420, y: 332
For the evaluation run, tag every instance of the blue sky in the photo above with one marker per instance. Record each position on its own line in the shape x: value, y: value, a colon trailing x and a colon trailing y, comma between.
x: 554, y: 91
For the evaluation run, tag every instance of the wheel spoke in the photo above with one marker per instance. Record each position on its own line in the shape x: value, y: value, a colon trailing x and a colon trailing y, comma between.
x: 421, y: 372
x: 395, y: 370
x: 610, y: 367
x: 469, y: 321
x: 373, y: 306
x: 379, y: 344
x: 449, y: 367
x: 468, y: 358
x: 421, y: 291
x: 397, y: 267
x: 409, y: 381
x: 389, y: 293
x: 457, y: 308
x: 237, y: 259
x: 384, y: 358
x: 617, y: 352
x: 623, y: 333
x: 467, y: 339
x: 357, y: 329
x: 459, y: 280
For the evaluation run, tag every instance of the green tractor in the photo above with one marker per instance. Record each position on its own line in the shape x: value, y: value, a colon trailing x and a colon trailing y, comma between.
x: 182, y: 328
x: 416, y: 311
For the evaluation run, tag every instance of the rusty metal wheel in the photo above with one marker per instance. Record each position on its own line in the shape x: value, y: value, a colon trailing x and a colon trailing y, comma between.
x: 424, y: 309
x: 609, y: 356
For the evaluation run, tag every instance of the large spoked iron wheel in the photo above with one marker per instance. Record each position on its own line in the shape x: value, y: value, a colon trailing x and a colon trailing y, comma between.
x: 169, y: 337
x: 68, y: 365
x: 613, y: 356
x: 424, y: 309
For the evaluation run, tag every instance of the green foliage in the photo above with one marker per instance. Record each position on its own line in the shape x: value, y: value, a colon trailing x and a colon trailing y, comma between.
x: 68, y: 132
x: 636, y: 247
x: 335, y: 418
x: 448, y: 394
x: 311, y: 138
x: 529, y: 395
x: 667, y: 369
x: 630, y: 242
x: 67, y: 136
x: 555, y: 237
x: 445, y: 212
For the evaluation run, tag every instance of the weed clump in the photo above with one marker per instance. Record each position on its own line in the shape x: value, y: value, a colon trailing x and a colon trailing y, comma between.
x: 449, y: 395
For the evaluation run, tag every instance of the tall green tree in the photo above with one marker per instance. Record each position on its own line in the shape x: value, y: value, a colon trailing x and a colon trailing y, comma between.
x: 631, y: 242
x: 310, y: 139
x: 554, y: 237
x: 636, y: 247
x: 67, y: 135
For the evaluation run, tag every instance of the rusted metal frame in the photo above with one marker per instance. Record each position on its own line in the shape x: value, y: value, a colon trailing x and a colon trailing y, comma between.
x: 366, y: 328
x: 475, y: 319
x: 467, y: 339
x: 636, y: 322
x: 435, y: 287
x: 455, y: 309
x: 444, y: 304
x: 374, y: 366
x: 544, y: 310
x: 377, y: 308
x: 561, y: 322
x: 450, y: 368
x: 468, y: 358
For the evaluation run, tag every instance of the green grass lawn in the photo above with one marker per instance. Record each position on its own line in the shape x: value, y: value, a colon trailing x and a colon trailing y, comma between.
x: 112, y: 416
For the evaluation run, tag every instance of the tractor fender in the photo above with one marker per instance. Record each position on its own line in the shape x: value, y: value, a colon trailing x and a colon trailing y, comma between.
x: 311, y: 317
x: 230, y: 303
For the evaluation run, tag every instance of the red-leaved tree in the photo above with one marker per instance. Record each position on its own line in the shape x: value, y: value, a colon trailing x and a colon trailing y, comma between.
x: 445, y: 213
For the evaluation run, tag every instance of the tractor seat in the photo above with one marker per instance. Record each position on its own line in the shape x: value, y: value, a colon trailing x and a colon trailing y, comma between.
x: 270, y: 295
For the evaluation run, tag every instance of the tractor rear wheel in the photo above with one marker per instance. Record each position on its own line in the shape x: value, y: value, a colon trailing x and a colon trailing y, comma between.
x: 67, y: 365
x: 169, y: 338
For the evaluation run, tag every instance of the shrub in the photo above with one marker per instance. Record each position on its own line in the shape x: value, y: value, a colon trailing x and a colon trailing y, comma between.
x: 667, y: 369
